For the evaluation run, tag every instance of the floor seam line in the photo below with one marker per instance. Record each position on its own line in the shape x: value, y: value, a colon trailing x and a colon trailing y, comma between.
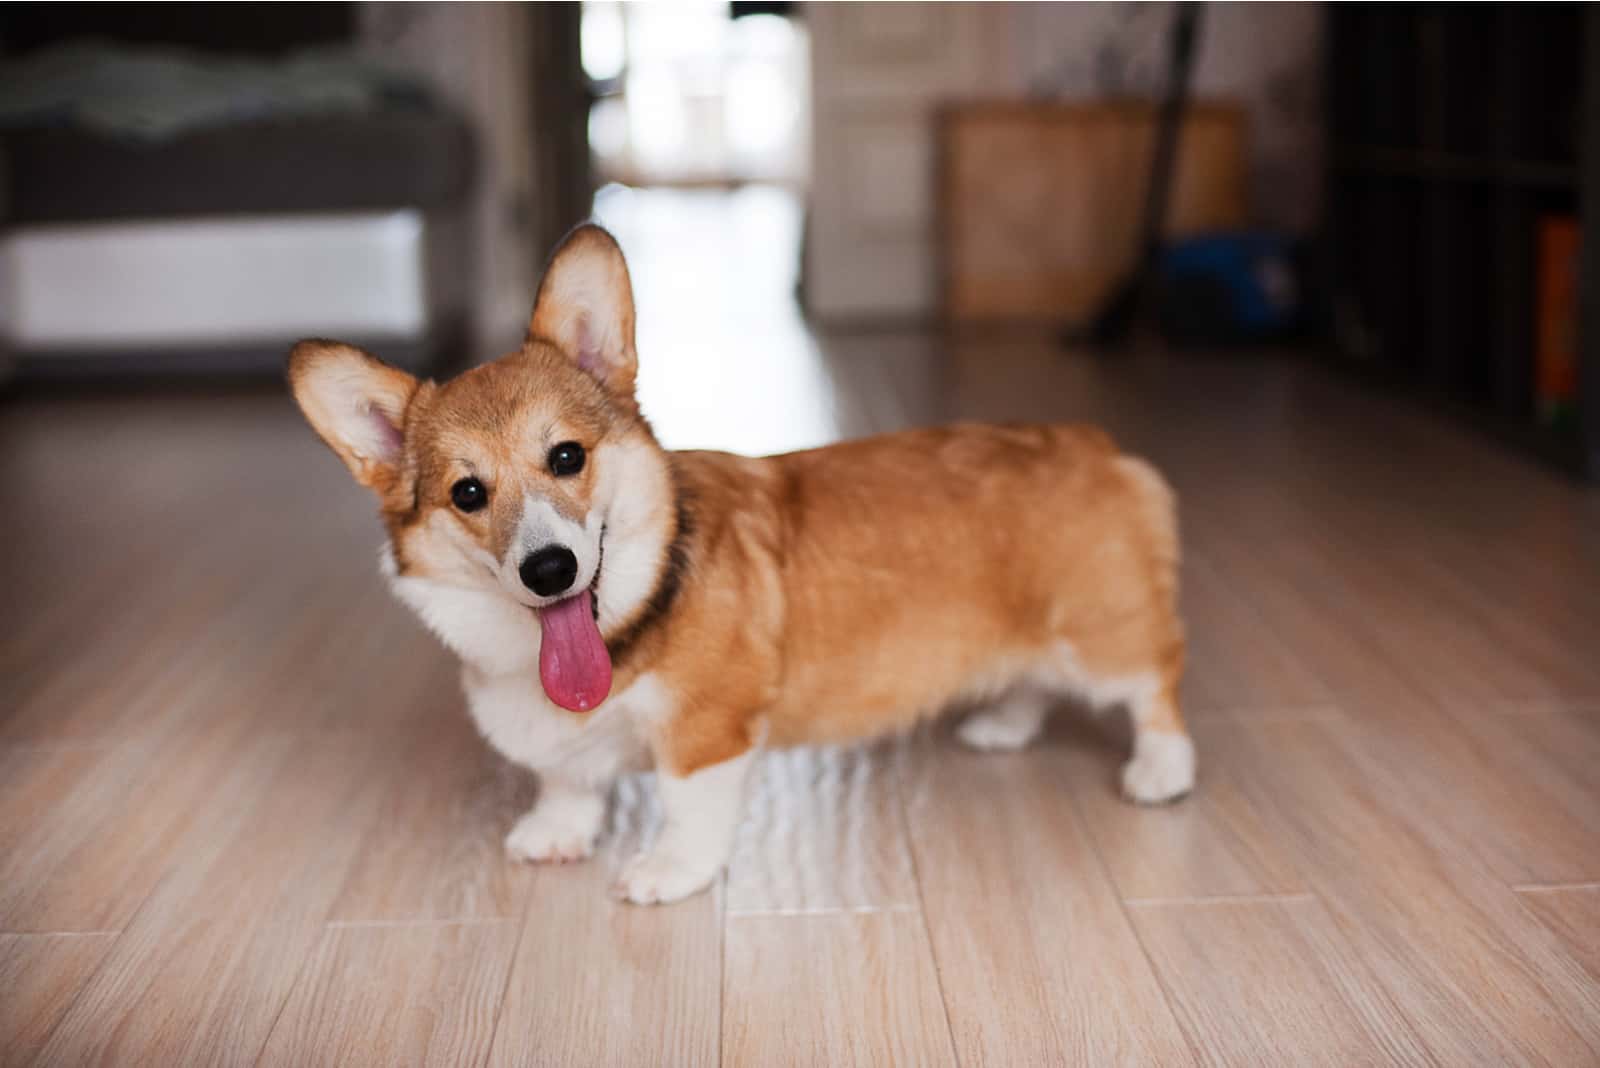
x: 460, y: 921
x: 922, y: 900
x: 1218, y: 899
x: 1075, y: 807
x: 1553, y: 888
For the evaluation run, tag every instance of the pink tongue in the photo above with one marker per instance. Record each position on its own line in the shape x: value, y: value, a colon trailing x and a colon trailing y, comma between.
x: 573, y: 663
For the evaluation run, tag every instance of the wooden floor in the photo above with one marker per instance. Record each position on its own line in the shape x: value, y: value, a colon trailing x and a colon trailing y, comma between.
x: 243, y: 818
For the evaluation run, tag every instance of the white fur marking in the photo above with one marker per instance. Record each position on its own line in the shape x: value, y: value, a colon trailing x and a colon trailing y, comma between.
x: 539, y: 527
x: 633, y: 494
x: 486, y: 630
x: 1068, y: 675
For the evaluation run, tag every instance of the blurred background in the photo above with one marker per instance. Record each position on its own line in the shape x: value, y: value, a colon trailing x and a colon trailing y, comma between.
x: 188, y: 188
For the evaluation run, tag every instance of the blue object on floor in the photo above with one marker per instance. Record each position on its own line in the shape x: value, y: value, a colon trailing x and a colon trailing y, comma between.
x: 1228, y: 288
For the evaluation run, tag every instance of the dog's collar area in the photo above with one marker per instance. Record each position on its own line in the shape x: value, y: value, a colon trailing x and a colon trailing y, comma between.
x: 599, y: 569
x: 675, y: 565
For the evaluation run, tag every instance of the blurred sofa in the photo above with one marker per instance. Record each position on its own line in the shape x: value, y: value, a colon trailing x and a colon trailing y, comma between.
x: 173, y: 210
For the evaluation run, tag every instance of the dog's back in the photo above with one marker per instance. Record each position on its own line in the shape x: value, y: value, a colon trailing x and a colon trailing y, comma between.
x: 919, y: 567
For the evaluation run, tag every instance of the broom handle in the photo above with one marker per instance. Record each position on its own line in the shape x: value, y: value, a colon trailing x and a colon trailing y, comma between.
x: 1169, y: 124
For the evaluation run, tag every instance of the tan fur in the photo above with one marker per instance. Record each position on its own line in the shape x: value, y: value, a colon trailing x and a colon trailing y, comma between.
x: 861, y: 586
x: 832, y: 594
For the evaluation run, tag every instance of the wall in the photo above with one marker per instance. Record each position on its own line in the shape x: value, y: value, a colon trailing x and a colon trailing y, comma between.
x: 1267, y: 56
x: 478, y: 56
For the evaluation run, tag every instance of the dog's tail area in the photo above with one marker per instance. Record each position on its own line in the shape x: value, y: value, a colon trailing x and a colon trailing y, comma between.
x: 1159, y: 506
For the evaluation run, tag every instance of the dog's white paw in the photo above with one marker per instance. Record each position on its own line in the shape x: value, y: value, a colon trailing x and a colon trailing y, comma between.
x: 992, y: 732
x: 1162, y: 768
x: 661, y: 876
x: 560, y: 828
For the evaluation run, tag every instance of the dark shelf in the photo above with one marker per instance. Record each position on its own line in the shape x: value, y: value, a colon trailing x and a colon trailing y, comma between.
x: 1450, y: 166
x: 1462, y: 140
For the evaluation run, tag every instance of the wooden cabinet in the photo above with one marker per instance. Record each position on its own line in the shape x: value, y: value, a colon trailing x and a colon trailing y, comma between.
x: 1040, y: 203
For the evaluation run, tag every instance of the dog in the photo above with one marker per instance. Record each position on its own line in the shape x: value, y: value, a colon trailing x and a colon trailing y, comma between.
x: 619, y: 607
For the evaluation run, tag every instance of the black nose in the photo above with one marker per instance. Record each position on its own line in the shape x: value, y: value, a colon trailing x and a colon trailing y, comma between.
x: 549, y: 571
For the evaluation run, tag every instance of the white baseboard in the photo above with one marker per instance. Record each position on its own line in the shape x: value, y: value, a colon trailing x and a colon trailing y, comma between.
x: 194, y: 282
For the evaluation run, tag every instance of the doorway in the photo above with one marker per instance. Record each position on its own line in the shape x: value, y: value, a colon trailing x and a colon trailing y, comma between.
x: 698, y: 140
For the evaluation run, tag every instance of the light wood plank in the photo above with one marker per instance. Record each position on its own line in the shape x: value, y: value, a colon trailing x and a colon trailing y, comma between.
x: 1453, y: 591
x: 1465, y: 965
x: 1347, y: 660
x: 1427, y: 760
x: 1246, y: 978
x: 1463, y: 536
x: 1037, y: 960
x: 1574, y: 915
x: 96, y: 840
x: 1358, y: 563
x: 34, y: 783
x: 1519, y: 790
x: 420, y: 994
x: 823, y: 832
x: 40, y: 974
x: 218, y: 625
x: 836, y: 989
x: 1527, y: 628
x: 153, y: 660
x: 438, y: 852
x: 202, y: 970
x: 599, y: 982
x: 1239, y: 665
x: 1215, y: 844
x: 96, y: 843
x: 47, y: 457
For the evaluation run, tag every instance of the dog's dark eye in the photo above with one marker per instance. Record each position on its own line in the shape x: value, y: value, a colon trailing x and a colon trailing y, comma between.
x: 469, y: 495
x: 566, y: 458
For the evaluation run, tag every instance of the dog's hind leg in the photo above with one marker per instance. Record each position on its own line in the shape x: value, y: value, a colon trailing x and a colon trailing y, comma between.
x: 1011, y: 723
x: 1162, y: 768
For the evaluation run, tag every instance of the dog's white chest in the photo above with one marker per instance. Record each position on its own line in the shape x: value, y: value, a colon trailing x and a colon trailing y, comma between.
x: 514, y: 716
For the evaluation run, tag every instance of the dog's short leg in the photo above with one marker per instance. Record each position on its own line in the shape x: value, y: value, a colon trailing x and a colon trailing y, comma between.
x: 562, y: 825
x: 1012, y: 723
x: 1162, y: 768
x: 701, y: 811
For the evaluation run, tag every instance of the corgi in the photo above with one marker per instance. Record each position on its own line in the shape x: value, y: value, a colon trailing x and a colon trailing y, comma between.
x: 619, y: 607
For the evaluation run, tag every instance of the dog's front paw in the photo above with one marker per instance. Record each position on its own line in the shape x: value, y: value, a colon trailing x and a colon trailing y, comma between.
x: 560, y: 828
x: 1162, y: 768
x: 661, y: 876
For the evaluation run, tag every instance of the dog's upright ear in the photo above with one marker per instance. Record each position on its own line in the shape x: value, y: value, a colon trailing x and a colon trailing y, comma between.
x: 356, y: 403
x: 585, y: 308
